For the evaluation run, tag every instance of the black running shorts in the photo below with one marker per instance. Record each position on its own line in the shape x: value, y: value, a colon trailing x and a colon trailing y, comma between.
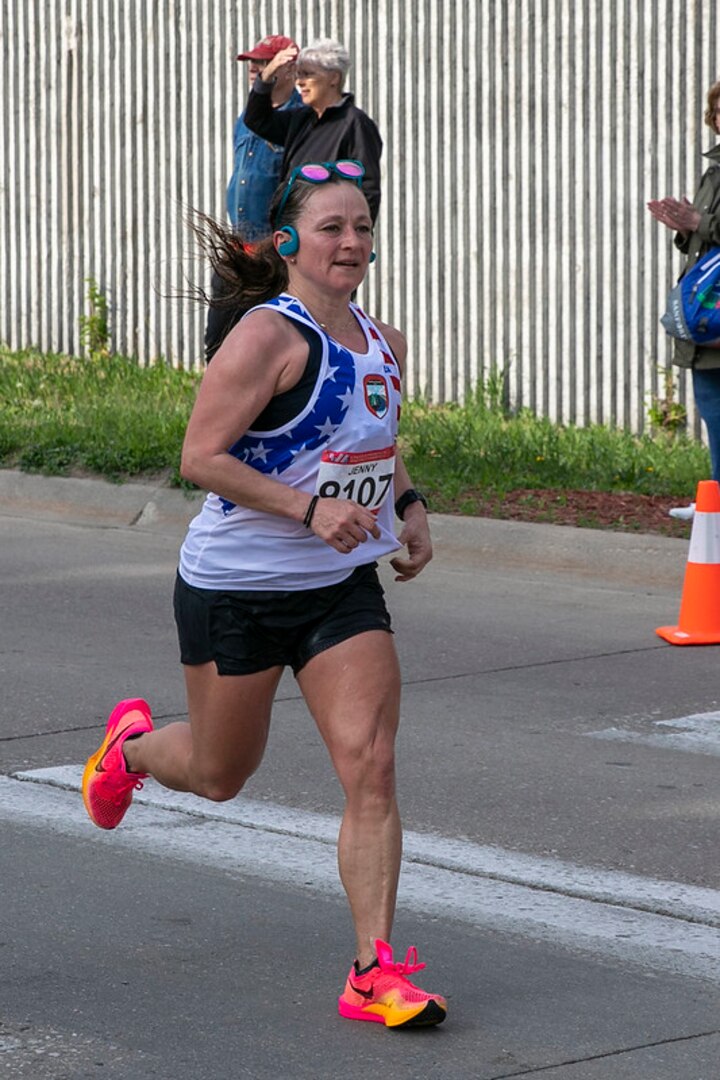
x: 245, y: 632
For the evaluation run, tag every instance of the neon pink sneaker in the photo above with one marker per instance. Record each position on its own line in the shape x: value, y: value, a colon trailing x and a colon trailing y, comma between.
x: 107, y: 786
x: 386, y: 996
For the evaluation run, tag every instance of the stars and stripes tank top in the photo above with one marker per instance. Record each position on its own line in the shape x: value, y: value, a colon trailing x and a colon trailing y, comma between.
x: 340, y: 445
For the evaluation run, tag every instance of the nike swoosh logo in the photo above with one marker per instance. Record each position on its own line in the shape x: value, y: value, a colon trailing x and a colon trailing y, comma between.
x: 363, y: 993
x: 99, y: 767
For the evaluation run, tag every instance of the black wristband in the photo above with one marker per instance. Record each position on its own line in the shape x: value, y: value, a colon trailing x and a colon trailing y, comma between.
x: 407, y: 499
x: 310, y: 511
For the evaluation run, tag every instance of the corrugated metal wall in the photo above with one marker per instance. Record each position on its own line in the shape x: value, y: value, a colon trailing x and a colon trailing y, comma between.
x: 523, y: 139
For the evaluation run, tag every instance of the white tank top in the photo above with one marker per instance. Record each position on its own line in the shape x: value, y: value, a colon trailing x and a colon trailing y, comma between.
x: 341, y: 445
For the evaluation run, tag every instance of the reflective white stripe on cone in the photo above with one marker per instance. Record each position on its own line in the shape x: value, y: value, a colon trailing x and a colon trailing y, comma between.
x: 705, y: 538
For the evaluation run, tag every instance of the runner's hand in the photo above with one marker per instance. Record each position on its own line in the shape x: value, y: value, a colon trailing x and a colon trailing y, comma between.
x: 415, y: 536
x: 343, y: 524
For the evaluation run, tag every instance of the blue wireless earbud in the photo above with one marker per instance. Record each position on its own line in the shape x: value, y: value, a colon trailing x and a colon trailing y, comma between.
x: 373, y: 256
x: 289, y: 247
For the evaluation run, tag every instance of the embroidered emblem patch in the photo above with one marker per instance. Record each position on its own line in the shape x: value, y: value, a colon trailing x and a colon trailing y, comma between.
x: 376, y: 394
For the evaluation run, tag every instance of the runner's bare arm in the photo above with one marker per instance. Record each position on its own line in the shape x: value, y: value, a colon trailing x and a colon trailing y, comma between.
x: 261, y: 357
x: 415, y: 532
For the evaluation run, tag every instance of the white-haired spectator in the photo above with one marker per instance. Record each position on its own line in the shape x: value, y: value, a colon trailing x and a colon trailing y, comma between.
x: 329, y: 55
x: 328, y: 126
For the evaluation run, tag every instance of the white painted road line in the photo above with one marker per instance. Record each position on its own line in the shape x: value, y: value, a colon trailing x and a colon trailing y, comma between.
x: 688, y: 902
x: 696, y: 734
x: 658, y: 924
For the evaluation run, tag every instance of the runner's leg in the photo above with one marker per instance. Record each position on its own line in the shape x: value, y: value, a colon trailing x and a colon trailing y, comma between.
x: 221, y: 745
x: 353, y: 692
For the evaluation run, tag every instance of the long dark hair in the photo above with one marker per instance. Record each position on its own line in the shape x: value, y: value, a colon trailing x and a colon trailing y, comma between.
x: 250, y: 275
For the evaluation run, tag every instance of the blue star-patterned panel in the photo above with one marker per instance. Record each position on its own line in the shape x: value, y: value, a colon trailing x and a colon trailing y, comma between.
x: 272, y: 453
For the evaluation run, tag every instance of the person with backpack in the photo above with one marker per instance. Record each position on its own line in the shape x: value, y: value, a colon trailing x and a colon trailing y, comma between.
x: 697, y: 229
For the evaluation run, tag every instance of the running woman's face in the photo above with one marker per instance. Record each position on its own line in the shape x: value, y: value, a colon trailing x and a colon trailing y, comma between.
x: 335, y: 231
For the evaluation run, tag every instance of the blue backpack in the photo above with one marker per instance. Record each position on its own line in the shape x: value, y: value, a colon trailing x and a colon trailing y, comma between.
x: 693, y: 306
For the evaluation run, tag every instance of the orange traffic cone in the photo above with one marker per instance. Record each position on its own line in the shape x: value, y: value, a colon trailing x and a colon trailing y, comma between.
x: 699, y: 620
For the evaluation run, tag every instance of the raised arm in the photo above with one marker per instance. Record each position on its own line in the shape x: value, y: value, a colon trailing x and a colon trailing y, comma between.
x: 260, y: 116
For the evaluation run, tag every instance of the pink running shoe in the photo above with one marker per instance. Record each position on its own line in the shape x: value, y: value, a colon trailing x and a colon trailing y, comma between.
x: 107, y: 786
x: 386, y: 996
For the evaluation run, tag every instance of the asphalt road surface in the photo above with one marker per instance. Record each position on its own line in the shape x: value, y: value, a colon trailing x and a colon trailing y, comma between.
x: 558, y: 783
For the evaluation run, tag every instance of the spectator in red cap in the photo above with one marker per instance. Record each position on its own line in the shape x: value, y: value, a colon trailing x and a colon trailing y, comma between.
x: 256, y: 173
x: 257, y: 164
x: 327, y: 126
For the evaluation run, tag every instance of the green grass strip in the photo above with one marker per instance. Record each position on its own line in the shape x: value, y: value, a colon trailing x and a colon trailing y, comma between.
x: 110, y: 417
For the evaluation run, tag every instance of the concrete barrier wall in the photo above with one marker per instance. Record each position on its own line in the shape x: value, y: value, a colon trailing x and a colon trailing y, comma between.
x: 523, y: 139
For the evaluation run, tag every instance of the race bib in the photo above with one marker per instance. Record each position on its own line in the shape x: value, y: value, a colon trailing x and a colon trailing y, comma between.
x: 365, y: 477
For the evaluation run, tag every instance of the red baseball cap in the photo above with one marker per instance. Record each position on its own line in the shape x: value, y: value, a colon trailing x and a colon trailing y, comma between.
x: 266, y: 49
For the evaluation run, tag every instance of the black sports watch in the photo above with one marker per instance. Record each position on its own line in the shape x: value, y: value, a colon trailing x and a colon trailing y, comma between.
x: 407, y: 499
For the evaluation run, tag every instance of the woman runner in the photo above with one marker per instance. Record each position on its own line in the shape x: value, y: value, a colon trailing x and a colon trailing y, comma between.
x: 294, y: 435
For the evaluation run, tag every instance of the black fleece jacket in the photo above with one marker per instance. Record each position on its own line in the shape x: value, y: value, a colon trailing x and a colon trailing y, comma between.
x: 343, y: 131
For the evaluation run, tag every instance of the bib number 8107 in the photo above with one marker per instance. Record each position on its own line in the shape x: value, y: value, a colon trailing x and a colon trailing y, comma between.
x: 371, y: 491
x: 365, y: 477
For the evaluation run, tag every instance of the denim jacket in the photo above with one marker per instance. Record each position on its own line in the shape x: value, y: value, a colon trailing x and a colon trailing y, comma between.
x: 256, y: 174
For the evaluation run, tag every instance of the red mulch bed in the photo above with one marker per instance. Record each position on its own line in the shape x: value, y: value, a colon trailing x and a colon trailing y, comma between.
x: 587, y: 509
